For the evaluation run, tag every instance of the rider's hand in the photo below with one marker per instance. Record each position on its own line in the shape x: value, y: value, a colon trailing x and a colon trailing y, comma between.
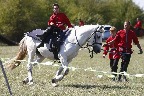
x: 140, y: 51
x: 51, y: 23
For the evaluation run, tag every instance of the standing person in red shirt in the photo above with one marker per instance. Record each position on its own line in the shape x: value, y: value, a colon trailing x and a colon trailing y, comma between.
x: 114, y: 55
x: 81, y: 23
x: 138, y: 26
x: 59, y: 19
x: 124, y: 38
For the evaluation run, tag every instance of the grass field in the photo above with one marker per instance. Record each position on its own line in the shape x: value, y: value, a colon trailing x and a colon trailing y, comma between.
x: 78, y: 82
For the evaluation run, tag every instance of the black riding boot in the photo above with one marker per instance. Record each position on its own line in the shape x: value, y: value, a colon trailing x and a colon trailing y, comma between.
x: 44, y: 35
x: 56, y: 55
x: 55, y: 49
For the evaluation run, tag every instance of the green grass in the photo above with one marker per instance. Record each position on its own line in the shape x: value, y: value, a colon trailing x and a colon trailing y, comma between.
x: 76, y: 83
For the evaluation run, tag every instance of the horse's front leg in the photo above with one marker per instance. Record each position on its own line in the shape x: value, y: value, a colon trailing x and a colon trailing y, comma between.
x: 63, y: 70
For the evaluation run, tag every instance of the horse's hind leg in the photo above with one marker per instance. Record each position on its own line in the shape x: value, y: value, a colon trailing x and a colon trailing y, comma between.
x: 29, y: 79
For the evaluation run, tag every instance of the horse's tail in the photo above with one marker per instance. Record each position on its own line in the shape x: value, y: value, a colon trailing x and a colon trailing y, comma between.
x: 13, y: 63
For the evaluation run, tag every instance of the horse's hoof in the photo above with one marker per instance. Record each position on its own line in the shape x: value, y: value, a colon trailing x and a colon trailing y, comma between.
x: 66, y: 72
x: 25, y: 81
x: 35, y: 63
x: 58, y: 78
x: 54, y: 84
x: 53, y: 81
x: 30, y: 83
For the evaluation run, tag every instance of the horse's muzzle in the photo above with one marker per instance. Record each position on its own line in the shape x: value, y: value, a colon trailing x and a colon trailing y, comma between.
x: 97, y: 48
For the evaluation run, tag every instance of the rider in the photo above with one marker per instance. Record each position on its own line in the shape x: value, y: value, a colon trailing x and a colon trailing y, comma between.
x: 138, y: 26
x: 59, y: 19
x: 56, y: 24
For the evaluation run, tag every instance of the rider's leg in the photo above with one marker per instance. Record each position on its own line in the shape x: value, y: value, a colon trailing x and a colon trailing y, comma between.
x: 47, y: 34
x: 43, y: 37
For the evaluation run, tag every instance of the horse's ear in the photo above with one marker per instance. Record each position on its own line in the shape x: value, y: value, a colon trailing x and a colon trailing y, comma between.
x: 99, y: 29
x: 101, y: 26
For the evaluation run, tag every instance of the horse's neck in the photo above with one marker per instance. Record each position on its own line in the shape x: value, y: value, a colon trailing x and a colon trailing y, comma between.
x: 84, y: 34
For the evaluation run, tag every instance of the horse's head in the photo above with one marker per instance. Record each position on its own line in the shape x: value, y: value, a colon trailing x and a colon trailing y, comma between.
x: 96, y: 39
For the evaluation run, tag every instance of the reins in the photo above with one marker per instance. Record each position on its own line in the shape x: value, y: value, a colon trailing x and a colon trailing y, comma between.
x: 87, y: 45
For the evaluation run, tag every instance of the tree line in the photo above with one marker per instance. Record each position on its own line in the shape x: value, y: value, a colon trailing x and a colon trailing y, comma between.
x: 20, y: 16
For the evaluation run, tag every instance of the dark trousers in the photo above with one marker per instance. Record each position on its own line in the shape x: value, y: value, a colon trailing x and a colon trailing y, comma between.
x: 124, y: 63
x: 114, y: 65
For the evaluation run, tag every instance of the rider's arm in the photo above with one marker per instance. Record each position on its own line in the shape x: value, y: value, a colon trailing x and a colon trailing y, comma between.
x: 67, y: 22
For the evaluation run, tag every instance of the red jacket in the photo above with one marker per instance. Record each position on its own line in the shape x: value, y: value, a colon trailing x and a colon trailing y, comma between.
x: 138, y: 24
x: 81, y: 23
x: 112, y: 49
x: 126, y: 43
x: 60, y: 20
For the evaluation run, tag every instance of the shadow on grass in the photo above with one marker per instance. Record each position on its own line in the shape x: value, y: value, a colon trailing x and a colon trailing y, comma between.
x: 97, y: 86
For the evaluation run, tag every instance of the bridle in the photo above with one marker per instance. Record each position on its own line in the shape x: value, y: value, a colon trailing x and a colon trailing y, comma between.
x: 87, y: 45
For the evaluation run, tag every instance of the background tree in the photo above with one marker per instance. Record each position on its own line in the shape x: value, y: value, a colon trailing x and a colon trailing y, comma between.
x: 20, y: 16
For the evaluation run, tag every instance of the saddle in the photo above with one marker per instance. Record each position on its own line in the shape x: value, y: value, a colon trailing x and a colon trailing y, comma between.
x: 55, y: 37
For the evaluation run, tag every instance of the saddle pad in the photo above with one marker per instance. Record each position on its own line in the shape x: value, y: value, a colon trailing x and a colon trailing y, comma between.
x: 34, y: 33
